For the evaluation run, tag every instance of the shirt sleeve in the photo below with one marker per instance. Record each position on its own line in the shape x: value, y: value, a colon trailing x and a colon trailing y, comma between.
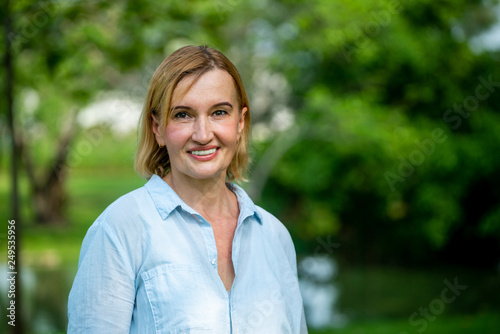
x: 293, y: 261
x: 289, y: 248
x: 103, y: 293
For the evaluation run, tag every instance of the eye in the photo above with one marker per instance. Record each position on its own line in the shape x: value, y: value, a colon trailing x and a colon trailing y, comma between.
x: 181, y: 115
x: 220, y: 113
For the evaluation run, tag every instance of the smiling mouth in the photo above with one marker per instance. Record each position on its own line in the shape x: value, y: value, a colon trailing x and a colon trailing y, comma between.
x: 203, y: 153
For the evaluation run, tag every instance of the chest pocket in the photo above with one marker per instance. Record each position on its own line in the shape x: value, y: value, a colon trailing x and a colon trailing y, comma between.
x: 178, y: 298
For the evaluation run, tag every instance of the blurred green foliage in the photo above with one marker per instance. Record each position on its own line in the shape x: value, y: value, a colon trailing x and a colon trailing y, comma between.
x: 382, y: 117
x: 398, y: 122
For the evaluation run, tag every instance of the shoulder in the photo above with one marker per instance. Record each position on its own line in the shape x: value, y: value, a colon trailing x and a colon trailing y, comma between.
x: 269, y: 221
x: 116, y: 230
x: 128, y: 205
x: 272, y: 226
x: 125, y: 214
x: 275, y: 229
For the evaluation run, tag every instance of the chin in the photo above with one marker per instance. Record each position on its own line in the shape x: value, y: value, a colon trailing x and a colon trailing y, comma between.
x: 202, y: 175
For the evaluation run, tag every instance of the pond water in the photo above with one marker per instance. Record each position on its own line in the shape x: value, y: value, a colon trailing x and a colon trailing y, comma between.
x: 44, y: 297
x: 319, y: 292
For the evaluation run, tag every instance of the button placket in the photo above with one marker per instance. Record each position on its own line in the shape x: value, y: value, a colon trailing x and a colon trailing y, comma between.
x: 208, y: 235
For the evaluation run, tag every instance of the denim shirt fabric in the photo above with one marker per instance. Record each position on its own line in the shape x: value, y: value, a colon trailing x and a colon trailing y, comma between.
x: 148, y: 264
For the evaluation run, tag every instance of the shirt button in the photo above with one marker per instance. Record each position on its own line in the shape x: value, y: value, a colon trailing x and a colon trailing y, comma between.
x: 213, y: 261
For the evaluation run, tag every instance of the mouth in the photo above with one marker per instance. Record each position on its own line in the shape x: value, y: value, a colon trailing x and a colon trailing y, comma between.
x: 202, y: 153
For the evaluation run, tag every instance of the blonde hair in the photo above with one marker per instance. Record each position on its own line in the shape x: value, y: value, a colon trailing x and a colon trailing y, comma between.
x: 187, y: 61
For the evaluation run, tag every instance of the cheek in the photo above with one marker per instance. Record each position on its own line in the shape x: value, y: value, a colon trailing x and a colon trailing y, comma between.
x: 175, y: 136
x: 230, y: 134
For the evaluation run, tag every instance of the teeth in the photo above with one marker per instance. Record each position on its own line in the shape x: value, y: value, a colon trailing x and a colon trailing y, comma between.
x: 207, y: 152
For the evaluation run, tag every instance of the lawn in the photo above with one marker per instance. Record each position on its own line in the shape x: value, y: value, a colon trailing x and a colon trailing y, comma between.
x: 488, y: 323
x: 91, y: 192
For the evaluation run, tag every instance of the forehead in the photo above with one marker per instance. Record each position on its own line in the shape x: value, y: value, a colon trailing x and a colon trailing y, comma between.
x: 212, y: 87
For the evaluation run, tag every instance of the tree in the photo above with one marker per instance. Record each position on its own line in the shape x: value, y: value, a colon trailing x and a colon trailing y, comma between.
x: 15, y: 217
x: 393, y: 137
x: 49, y: 94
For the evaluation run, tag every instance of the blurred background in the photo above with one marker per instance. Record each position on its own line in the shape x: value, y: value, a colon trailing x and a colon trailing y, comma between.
x: 376, y: 131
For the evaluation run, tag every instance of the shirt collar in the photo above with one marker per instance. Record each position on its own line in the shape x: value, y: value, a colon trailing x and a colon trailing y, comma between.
x: 166, y: 199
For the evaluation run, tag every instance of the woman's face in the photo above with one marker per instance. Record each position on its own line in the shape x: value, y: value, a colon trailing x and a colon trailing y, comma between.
x: 204, y: 128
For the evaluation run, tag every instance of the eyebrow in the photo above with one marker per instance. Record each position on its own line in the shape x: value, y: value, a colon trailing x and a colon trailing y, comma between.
x: 214, y: 106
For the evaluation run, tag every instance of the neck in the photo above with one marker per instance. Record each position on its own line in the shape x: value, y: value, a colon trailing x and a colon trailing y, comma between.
x: 209, y: 197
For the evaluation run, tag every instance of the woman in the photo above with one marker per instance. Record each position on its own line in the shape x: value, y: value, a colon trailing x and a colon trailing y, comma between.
x: 189, y: 252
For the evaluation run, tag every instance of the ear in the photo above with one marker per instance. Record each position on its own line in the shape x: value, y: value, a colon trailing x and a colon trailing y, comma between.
x: 241, y: 121
x: 155, y: 127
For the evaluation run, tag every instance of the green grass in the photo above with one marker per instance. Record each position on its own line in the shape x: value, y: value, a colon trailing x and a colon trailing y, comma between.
x: 91, y: 191
x: 488, y: 323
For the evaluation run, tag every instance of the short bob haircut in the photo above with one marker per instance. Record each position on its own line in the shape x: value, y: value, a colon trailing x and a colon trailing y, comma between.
x: 192, y: 61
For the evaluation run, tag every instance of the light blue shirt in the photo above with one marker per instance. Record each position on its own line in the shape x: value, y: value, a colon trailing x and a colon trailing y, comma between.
x: 148, y: 264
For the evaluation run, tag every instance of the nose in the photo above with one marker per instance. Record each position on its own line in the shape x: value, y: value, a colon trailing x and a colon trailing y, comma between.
x: 202, y: 132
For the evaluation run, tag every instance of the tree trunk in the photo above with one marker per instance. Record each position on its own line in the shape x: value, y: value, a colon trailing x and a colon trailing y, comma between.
x: 48, y: 193
x: 49, y: 203
x: 15, y: 269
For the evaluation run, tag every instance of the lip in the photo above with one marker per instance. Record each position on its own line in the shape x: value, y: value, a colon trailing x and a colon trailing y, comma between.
x: 203, y: 157
x: 202, y: 148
